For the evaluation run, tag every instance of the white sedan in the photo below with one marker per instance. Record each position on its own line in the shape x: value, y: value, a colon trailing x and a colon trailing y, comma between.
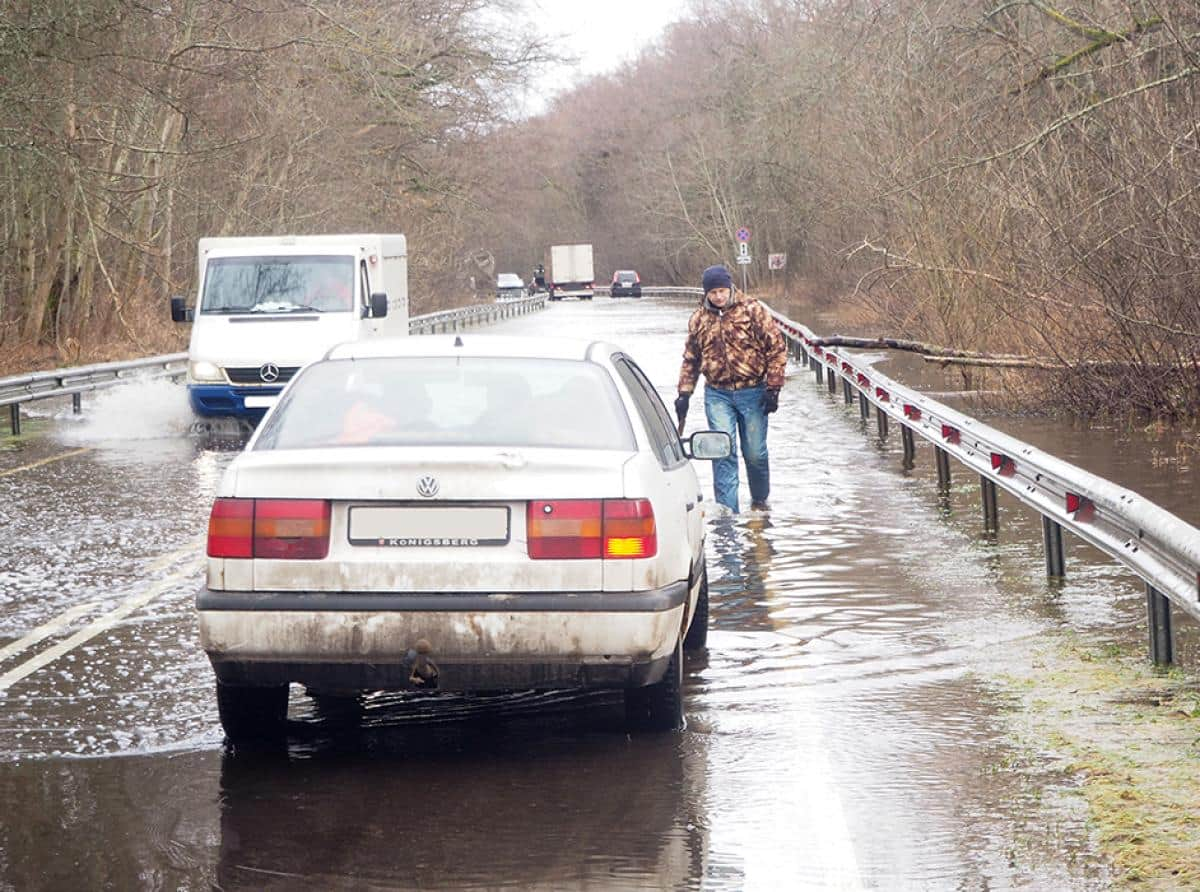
x: 466, y: 513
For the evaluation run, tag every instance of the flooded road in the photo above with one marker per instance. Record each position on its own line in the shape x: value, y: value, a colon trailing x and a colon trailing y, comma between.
x: 843, y: 729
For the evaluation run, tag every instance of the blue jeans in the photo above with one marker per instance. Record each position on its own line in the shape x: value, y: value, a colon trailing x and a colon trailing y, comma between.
x: 739, y: 413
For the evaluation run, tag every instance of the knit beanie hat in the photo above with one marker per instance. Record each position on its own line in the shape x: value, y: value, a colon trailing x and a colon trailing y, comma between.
x: 716, y: 277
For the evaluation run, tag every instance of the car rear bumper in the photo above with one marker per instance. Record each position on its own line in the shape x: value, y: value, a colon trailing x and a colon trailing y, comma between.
x: 478, y: 642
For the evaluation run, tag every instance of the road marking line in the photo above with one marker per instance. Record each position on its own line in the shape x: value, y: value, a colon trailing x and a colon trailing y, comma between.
x: 101, y: 624
x: 44, y: 631
x: 45, y: 461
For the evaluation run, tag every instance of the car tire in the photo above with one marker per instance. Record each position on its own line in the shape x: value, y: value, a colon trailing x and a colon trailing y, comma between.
x: 252, y: 713
x: 659, y: 706
x: 697, y: 633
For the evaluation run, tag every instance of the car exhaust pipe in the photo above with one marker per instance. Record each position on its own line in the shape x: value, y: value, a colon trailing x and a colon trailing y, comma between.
x: 424, y: 672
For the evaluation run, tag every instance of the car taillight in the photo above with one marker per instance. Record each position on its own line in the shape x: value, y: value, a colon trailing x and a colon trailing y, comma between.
x: 568, y: 528
x: 292, y: 529
x: 591, y: 528
x: 231, y: 528
x: 629, y: 530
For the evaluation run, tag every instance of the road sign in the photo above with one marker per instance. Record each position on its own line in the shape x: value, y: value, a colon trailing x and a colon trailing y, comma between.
x: 743, y: 259
x: 743, y: 235
x: 776, y: 261
x: 743, y: 249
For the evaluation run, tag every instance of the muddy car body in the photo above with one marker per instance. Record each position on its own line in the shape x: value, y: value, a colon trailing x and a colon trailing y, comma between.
x: 463, y: 513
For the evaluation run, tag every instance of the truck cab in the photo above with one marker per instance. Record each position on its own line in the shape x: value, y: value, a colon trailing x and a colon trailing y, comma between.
x: 267, y: 306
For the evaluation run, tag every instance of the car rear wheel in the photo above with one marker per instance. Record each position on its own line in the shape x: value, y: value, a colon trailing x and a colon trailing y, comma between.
x: 658, y: 707
x: 252, y: 713
x: 697, y: 633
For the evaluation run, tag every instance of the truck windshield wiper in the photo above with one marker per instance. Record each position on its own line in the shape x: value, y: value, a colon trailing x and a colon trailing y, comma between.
x: 281, y: 307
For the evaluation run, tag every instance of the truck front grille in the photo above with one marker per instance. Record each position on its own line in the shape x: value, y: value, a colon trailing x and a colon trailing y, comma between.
x: 253, y: 375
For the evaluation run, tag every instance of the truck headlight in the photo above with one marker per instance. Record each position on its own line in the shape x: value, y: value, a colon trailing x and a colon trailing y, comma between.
x: 205, y: 371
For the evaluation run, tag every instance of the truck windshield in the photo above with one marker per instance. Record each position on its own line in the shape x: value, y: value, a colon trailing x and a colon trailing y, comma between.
x: 282, y: 284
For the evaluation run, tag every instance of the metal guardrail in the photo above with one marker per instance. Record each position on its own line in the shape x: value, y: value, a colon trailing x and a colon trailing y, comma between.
x: 75, y: 381
x: 477, y: 314
x: 1162, y: 549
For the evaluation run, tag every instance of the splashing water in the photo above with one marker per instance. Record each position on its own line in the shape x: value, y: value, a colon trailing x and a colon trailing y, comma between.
x: 139, y: 410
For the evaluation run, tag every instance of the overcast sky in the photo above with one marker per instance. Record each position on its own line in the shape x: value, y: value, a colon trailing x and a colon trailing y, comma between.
x: 602, y: 34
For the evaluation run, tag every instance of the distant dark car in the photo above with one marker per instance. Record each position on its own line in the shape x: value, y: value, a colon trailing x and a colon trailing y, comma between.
x: 626, y: 283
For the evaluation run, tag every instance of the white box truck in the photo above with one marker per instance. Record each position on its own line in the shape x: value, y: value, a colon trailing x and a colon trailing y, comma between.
x: 571, y: 273
x: 268, y: 305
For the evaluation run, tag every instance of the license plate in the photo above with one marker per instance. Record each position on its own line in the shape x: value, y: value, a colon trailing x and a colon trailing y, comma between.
x: 260, y: 402
x: 419, y: 526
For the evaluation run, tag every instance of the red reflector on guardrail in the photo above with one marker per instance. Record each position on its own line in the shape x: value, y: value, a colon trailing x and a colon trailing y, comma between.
x: 864, y: 380
x: 883, y: 394
x: 1076, y: 502
x: 1002, y: 463
x: 950, y: 434
x: 911, y: 411
x: 846, y: 367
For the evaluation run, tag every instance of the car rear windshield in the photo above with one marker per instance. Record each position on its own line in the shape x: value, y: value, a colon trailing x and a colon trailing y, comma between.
x: 279, y: 284
x: 452, y: 401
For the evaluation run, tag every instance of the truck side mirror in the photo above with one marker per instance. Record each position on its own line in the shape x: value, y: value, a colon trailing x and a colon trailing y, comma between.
x: 379, y: 305
x: 180, y: 311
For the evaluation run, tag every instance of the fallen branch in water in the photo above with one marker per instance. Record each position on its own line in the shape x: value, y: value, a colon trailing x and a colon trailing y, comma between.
x: 928, y: 350
x: 947, y: 356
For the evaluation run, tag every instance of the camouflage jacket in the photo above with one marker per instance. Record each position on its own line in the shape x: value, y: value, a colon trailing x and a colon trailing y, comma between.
x: 734, y: 347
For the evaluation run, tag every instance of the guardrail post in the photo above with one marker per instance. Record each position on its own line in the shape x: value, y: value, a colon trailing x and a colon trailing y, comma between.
x: 864, y: 406
x: 1052, y: 536
x: 14, y: 418
x: 991, y: 514
x: 943, y: 468
x: 832, y: 381
x: 847, y: 391
x: 1158, y: 612
x: 76, y: 403
x: 881, y: 421
x: 818, y: 370
x: 910, y: 446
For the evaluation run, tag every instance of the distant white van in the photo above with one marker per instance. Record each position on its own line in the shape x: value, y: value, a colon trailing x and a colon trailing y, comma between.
x: 268, y: 305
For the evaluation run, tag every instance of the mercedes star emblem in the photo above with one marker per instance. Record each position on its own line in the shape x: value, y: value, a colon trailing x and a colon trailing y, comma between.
x: 428, y: 487
x: 269, y: 372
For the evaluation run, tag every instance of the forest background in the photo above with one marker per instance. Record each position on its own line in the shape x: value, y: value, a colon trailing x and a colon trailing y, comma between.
x: 1013, y: 177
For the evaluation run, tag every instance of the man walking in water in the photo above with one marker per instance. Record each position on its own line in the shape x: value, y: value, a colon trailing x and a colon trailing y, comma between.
x: 733, y: 341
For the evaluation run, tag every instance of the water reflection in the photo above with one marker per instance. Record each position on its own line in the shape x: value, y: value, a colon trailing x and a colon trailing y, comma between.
x: 555, y: 799
x: 740, y: 552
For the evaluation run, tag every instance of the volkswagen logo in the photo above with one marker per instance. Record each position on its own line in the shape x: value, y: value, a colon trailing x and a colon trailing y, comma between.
x: 269, y: 372
x: 428, y: 487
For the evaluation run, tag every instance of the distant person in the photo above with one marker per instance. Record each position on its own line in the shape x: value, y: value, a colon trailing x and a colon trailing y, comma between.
x: 733, y: 341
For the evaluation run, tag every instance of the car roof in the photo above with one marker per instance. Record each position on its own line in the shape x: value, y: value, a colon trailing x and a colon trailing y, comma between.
x: 471, y: 344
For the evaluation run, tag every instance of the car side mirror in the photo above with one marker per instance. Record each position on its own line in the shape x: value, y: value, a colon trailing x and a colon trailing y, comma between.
x: 180, y: 311
x: 708, y: 445
x: 379, y: 305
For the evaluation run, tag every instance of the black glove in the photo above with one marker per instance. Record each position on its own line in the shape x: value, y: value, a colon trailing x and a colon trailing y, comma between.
x: 681, y: 406
x: 770, y: 402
